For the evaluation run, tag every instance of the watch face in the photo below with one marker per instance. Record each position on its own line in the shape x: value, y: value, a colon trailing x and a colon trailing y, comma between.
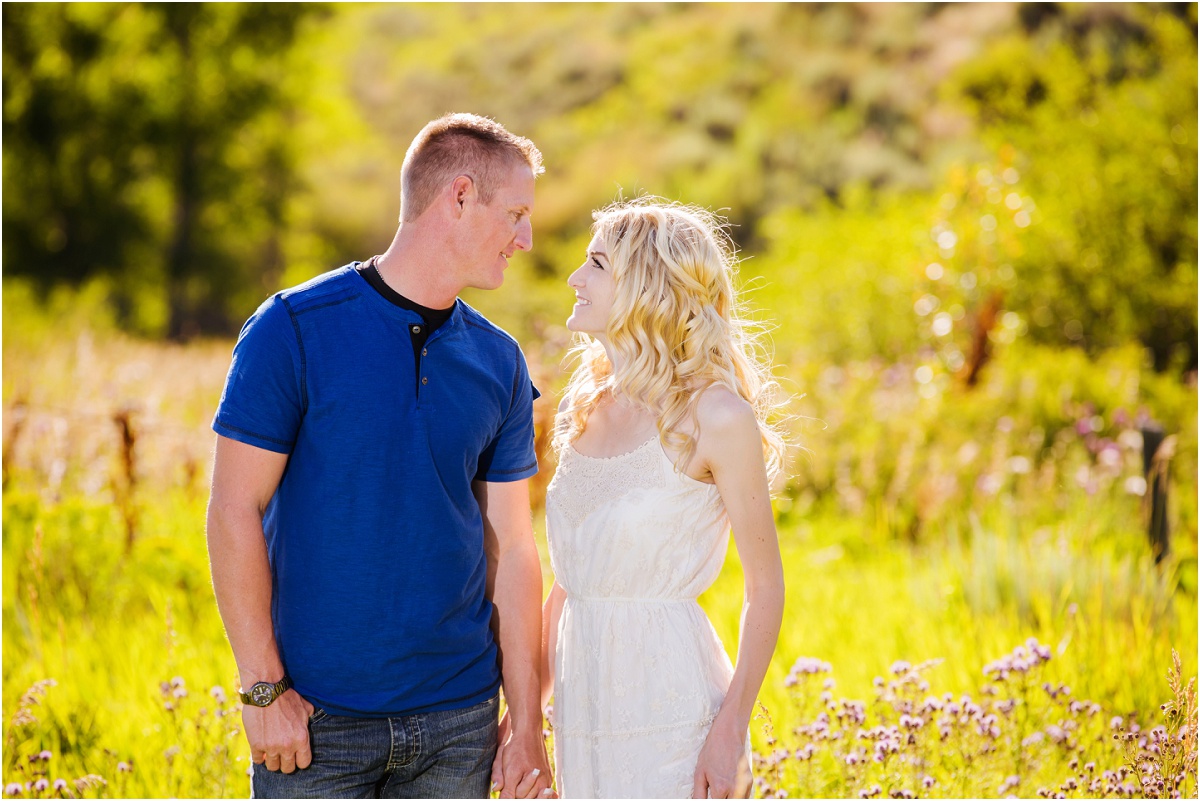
x: 262, y: 693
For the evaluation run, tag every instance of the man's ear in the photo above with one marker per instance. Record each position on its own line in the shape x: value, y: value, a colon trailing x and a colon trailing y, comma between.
x: 462, y: 189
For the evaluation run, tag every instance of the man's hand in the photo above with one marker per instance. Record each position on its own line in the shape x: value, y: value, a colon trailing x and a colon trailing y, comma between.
x: 278, y: 734
x: 722, y: 770
x: 521, y: 769
x: 498, y: 762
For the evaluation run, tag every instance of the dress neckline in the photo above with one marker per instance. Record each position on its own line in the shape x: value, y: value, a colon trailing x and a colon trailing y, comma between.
x: 638, y: 449
x: 695, y: 481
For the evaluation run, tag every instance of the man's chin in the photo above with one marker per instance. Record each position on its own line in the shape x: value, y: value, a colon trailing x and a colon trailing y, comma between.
x: 490, y: 282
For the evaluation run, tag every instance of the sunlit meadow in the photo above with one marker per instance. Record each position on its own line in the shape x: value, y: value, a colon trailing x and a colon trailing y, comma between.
x: 972, y: 226
x: 973, y: 607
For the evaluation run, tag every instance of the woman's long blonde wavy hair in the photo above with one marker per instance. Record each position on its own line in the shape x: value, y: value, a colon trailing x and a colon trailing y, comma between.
x: 676, y: 326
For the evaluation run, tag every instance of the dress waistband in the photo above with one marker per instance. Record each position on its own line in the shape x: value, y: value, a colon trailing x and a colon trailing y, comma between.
x: 620, y: 600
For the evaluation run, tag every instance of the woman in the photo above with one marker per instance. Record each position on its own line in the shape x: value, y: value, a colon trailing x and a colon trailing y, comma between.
x: 663, y: 445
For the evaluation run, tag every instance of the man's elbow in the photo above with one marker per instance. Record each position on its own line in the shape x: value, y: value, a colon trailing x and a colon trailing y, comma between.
x: 226, y: 516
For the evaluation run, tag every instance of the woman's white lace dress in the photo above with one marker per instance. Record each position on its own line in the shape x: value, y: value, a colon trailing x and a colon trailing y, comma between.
x: 640, y: 673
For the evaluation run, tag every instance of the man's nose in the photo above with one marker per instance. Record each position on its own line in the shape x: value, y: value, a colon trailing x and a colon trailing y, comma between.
x: 524, y: 237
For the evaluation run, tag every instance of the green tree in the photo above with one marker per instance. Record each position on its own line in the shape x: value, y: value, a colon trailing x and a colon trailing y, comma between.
x: 1099, y: 104
x: 148, y: 143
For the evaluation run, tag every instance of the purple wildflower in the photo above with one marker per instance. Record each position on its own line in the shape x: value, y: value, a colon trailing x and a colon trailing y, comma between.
x: 809, y: 665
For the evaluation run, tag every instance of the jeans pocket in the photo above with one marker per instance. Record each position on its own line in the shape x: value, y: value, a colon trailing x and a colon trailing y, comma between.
x: 473, y: 724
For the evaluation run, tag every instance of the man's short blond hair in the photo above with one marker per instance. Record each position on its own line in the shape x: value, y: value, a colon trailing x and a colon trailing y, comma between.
x: 460, y: 144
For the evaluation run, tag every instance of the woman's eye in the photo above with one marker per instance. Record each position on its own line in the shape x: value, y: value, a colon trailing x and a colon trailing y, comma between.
x: 596, y: 262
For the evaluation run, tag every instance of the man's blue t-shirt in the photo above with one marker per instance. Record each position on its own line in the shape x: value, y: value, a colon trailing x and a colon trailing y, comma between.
x: 374, y: 535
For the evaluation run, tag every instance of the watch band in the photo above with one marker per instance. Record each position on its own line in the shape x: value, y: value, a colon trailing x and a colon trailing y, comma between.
x: 264, y: 693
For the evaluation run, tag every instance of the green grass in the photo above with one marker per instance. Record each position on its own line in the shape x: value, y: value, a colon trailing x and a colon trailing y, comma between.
x: 111, y: 628
x: 876, y: 571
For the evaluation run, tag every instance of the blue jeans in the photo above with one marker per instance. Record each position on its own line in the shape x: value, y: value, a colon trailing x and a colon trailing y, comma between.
x: 432, y: 755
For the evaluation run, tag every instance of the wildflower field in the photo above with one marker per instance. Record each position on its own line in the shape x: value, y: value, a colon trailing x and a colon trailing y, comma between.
x: 971, y: 229
x: 973, y: 607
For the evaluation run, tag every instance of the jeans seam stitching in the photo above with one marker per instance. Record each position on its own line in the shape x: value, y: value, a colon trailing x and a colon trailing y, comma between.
x: 391, y: 763
x: 416, y: 739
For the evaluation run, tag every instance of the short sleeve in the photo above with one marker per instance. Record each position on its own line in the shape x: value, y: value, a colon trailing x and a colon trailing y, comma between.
x: 511, y: 456
x: 263, y: 400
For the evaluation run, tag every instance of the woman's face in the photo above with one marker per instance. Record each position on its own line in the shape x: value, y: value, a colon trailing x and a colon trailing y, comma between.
x: 594, y: 289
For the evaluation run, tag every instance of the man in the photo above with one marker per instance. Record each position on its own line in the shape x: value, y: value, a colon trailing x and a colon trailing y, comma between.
x: 369, y: 528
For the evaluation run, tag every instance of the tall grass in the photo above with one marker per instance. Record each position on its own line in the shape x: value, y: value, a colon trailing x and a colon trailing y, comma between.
x: 941, y: 530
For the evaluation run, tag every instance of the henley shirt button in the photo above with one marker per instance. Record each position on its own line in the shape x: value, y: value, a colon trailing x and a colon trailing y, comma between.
x: 424, y: 351
x: 425, y: 380
x: 416, y: 329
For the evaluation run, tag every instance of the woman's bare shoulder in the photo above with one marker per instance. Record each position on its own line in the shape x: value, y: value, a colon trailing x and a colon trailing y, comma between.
x: 722, y: 412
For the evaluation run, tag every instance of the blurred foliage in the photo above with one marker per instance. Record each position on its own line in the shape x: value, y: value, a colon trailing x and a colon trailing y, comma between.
x: 1101, y: 108
x: 149, y: 143
x: 202, y: 156
x: 1047, y: 436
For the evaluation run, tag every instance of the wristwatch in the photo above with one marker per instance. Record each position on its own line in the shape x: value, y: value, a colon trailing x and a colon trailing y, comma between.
x: 263, y: 693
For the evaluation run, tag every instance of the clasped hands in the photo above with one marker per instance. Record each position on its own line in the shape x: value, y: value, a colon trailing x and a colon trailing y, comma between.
x: 521, y: 768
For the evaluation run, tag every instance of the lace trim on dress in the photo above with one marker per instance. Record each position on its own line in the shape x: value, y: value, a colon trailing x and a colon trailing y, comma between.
x: 613, y: 458
x: 591, y: 482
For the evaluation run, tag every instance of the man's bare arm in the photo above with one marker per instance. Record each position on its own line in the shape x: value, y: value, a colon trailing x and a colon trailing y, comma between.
x: 244, y: 479
x: 515, y: 587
